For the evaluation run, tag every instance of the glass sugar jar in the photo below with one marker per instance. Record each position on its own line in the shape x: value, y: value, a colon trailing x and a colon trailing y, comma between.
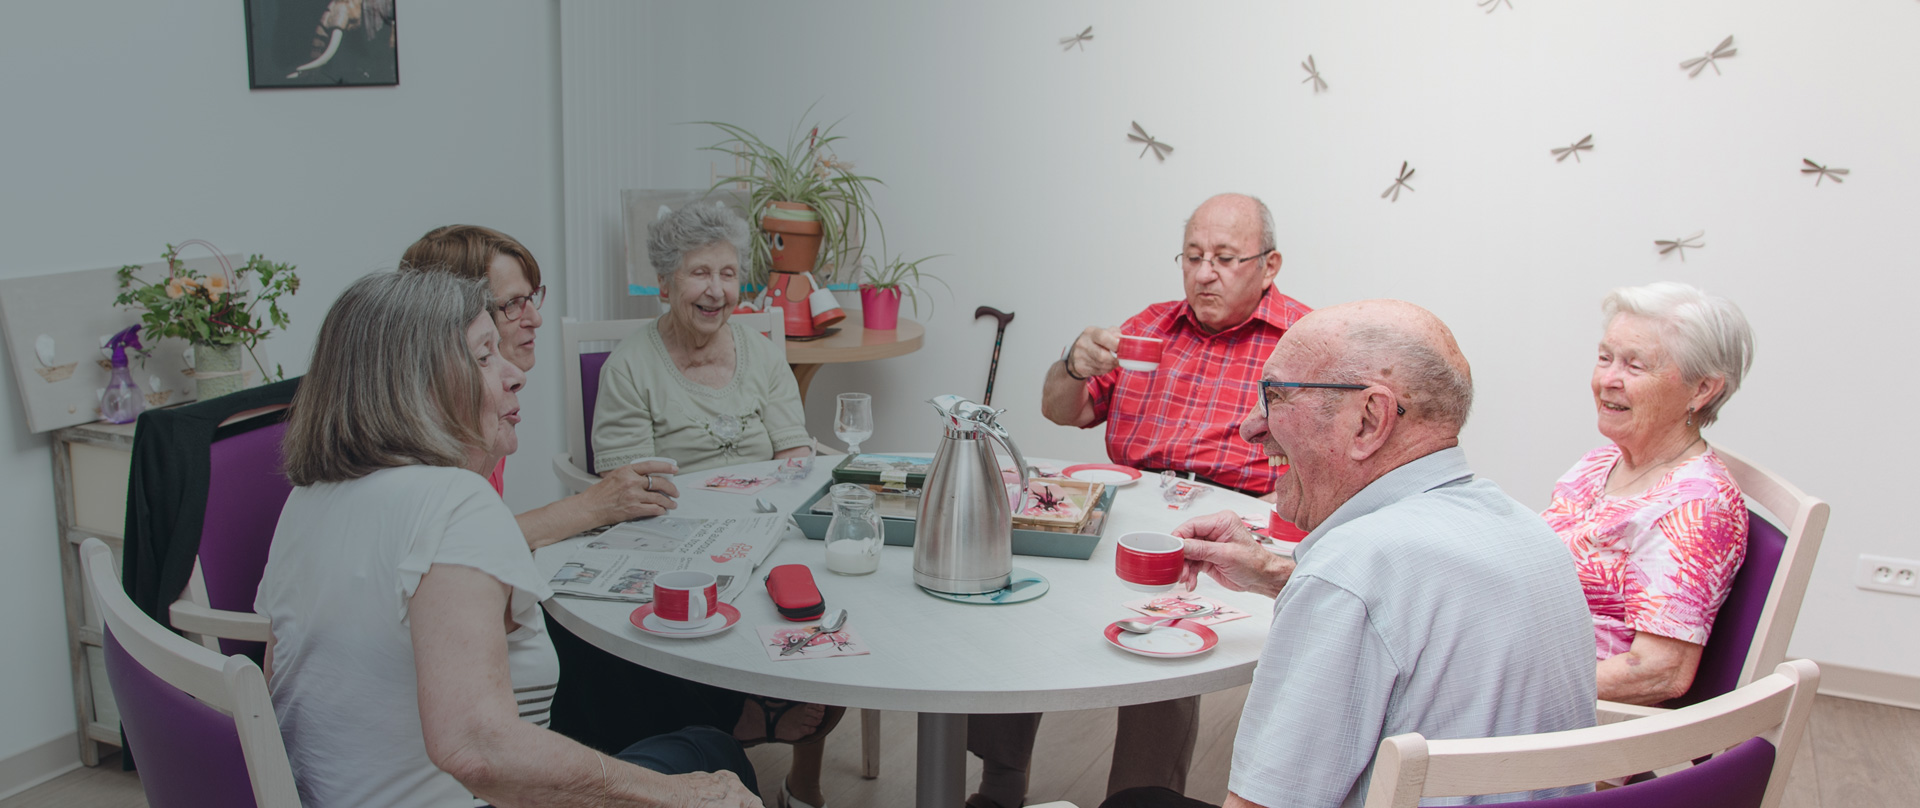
x: 854, y: 536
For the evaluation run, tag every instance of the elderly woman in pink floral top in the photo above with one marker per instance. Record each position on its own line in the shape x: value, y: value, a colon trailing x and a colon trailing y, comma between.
x: 1656, y: 525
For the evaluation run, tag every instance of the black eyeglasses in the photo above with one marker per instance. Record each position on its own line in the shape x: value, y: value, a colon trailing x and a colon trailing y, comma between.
x: 1269, y: 391
x: 1220, y: 261
x: 515, y: 308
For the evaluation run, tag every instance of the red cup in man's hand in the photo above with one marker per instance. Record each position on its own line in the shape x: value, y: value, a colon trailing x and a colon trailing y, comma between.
x: 1149, y: 562
x: 1141, y: 353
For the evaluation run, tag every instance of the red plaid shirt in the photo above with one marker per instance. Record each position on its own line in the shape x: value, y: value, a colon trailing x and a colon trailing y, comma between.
x: 1186, y: 415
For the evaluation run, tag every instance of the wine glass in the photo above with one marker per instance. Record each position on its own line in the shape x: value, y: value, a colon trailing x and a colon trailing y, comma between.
x: 853, y: 419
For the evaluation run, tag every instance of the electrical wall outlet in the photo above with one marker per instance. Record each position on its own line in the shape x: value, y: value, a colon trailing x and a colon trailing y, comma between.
x: 1887, y: 574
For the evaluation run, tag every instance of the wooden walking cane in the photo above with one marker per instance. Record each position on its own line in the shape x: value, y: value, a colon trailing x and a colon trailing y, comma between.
x: 1004, y: 317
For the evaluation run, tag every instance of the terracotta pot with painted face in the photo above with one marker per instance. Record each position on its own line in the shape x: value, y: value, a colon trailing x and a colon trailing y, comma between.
x: 794, y: 233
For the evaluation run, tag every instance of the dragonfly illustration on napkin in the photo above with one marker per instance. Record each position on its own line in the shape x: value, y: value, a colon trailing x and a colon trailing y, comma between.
x: 779, y: 639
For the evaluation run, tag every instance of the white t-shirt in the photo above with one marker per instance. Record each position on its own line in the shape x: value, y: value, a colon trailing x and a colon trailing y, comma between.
x: 346, y: 559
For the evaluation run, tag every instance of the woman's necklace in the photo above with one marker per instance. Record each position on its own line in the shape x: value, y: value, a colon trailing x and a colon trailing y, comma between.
x: 1628, y: 485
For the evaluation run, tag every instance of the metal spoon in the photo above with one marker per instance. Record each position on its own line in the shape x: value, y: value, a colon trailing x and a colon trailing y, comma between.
x: 827, y: 626
x: 1144, y: 626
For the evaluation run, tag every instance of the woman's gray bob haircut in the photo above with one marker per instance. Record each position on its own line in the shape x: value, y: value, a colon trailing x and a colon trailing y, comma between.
x: 392, y: 382
x: 671, y: 236
x: 1706, y: 335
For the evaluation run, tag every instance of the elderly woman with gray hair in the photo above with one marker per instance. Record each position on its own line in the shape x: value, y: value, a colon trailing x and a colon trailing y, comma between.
x: 692, y: 385
x: 1655, y: 522
x: 706, y: 392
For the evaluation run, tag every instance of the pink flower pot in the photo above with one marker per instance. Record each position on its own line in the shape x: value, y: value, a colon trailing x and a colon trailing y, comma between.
x: 879, y: 308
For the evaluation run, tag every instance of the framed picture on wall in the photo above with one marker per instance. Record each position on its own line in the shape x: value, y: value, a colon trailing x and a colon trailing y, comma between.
x: 321, y: 43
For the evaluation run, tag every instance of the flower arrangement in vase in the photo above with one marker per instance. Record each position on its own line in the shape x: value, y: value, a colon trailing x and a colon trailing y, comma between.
x: 218, y: 314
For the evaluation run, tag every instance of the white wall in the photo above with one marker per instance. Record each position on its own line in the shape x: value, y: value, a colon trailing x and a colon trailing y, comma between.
x: 1004, y: 151
x: 130, y: 125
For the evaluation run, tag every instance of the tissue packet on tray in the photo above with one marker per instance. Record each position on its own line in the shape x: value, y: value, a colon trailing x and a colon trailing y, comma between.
x: 891, y: 471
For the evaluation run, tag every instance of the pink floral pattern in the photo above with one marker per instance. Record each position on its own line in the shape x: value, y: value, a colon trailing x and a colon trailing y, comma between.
x: 1660, y: 561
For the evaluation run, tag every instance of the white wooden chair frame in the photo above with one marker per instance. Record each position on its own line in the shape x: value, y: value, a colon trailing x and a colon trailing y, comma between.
x: 1803, y: 519
x: 232, y: 685
x: 1409, y: 767
x: 207, y: 625
x: 575, y: 477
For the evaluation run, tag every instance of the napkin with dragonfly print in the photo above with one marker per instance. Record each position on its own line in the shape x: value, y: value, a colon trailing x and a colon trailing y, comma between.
x: 778, y: 638
x: 1177, y: 605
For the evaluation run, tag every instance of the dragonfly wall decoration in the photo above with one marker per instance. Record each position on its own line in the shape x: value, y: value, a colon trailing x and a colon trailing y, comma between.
x: 1139, y: 135
x: 1721, y: 51
x: 1392, y: 194
x: 1585, y: 144
x: 1067, y: 43
x: 1681, y: 245
x: 1313, y: 74
x: 1825, y: 173
x: 1490, y: 5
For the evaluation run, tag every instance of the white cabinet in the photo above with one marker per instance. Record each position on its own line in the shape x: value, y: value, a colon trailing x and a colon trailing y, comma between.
x: 91, y: 463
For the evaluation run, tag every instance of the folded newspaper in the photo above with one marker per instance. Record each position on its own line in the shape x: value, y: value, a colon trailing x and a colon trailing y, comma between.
x: 620, y: 562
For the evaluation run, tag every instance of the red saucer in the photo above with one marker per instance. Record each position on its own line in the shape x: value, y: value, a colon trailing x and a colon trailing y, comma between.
x: 723, y: 619
x: 1177, y: 638
x: 1103, y: 473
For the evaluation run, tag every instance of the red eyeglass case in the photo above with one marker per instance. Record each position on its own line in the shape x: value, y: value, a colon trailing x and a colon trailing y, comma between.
x: 794, y: 592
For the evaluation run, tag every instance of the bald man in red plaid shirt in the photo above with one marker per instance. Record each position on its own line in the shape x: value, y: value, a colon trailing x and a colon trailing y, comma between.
x: 1185, y: 416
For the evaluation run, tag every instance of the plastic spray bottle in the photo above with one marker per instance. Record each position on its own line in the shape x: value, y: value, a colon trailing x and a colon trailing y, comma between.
x: 122, y: 401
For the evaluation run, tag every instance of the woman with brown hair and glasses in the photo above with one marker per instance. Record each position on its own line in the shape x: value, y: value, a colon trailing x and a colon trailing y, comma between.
x: 471, y: 251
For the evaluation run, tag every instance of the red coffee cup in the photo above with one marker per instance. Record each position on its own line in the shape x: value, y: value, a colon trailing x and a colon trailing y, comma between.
x: 1279, y: 529
x: 1141, y: 353
x: 685, y: 599
x: 1149, y: 562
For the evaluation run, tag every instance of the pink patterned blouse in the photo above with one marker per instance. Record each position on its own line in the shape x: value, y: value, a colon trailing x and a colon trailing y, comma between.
x: 1660, y: 561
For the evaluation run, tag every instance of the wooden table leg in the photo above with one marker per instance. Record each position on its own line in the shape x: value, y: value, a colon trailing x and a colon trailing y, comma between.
x: 804, y: 375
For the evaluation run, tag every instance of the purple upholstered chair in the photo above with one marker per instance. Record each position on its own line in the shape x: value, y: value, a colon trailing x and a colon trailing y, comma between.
x: 1759, y: 727
x: 245, y: 492
x: 203, y: 723
x: 576, y: 469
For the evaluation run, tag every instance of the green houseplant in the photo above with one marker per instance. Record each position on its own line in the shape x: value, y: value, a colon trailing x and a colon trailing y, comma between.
x: 220, y: 314
x: 885, y: 280
x: 803, y: 191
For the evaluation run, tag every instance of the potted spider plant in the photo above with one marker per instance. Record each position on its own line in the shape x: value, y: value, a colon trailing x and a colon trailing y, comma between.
x: 810, y: 207
x: 884, y: 281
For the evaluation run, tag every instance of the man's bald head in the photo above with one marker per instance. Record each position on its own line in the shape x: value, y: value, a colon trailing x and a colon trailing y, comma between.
x: 1399, y: 345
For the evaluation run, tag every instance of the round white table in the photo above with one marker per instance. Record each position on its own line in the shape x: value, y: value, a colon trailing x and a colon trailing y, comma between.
x: 942, y: 659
